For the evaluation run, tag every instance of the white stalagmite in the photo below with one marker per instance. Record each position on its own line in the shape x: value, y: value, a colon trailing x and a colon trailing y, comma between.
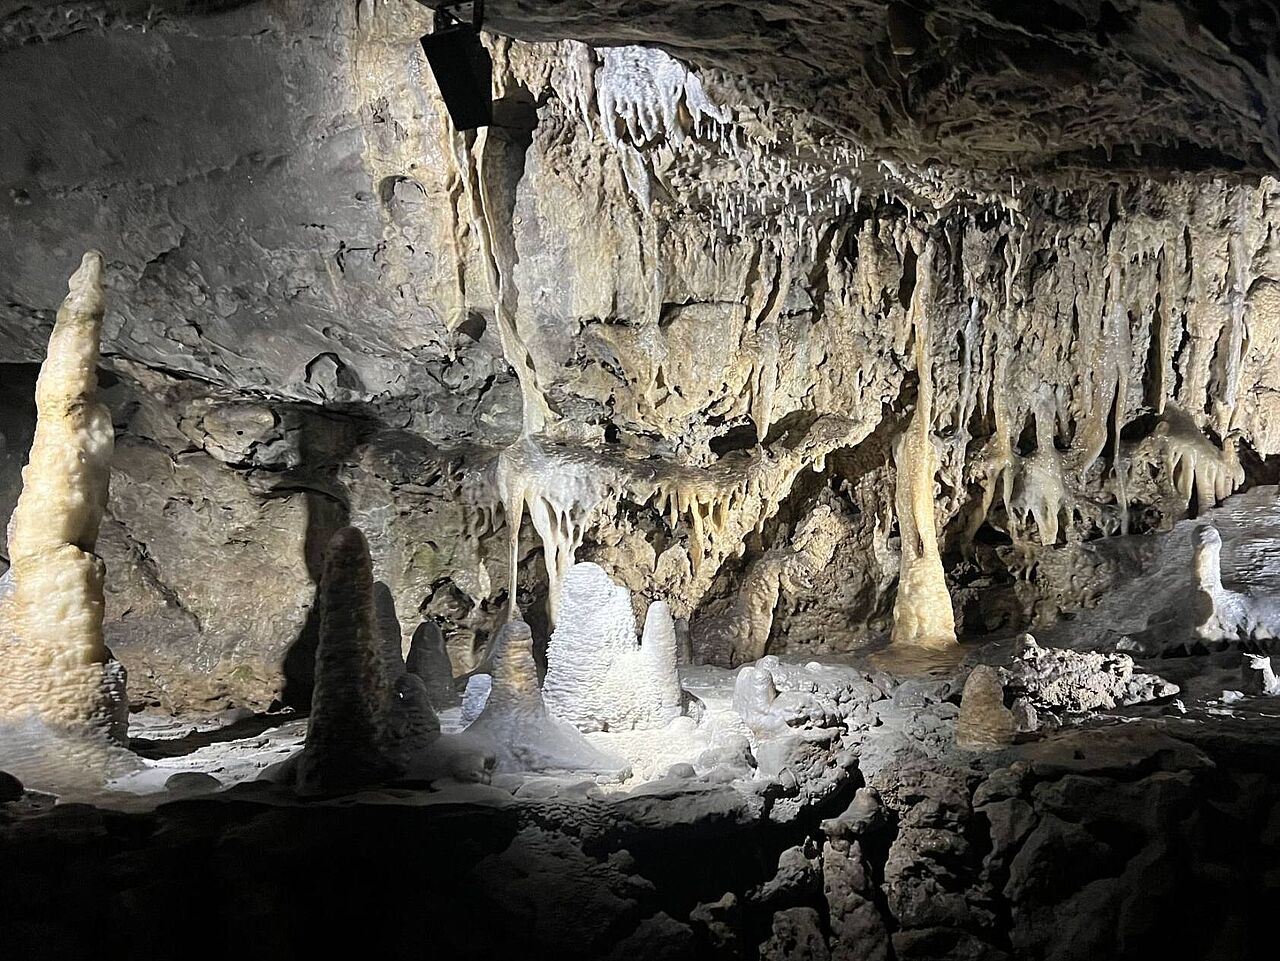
x: 922, y: 612
x: 54, y: 665
x: 598, y: 679
x: 515, y: 724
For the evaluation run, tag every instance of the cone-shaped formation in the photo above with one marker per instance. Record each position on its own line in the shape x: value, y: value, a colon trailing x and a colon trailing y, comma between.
x: 515, y: 722
x: 598, y: 678
x: 429, y: 659
x: 984, y: 724
x: 56, y: 667
x: 348, y: 733
x: 922, y: 613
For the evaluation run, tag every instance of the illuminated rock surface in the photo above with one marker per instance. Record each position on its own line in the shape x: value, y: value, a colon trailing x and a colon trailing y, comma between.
x: 838, y: 344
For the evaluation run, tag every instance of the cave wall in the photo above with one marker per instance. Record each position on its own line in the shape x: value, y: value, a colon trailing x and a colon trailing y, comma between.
x: 326, y: 307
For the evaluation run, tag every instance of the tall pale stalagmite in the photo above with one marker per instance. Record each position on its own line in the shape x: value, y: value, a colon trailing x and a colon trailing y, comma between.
x: 347, y: 735
x: 922, y: 611
x: 54, y: 665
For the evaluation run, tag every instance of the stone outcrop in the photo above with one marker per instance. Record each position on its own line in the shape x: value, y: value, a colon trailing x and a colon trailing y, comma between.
x: 1072, y: 683
x: 984, y: 724
x: 369, y: 716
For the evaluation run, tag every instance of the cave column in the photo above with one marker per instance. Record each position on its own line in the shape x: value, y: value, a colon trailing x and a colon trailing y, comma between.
x: 922, y: 613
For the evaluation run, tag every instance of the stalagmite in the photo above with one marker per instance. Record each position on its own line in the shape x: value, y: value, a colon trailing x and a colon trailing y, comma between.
x: 922, y: 612
x: 429, y: 659
x: 348, y: 732
x: 598, y: 678
x: 515, y: 723
x: 984, y: 723
x: 54, y: 665
x: 1220, y: 613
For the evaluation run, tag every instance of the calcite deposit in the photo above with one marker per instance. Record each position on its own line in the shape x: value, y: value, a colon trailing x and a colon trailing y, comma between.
x: 614, y: 531
x: 54, y: 665
x: 598, y: 677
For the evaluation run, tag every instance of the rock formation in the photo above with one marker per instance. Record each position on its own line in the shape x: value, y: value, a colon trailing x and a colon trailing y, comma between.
x: 516, y: 723
x: 598, y: 678
x: 369, y: 716
x: 54, y: 665
x: 1073, y: 683
x: 1259, y: 677
x: 429, y: 660
x: 922, y: 610
x: 984, y: 724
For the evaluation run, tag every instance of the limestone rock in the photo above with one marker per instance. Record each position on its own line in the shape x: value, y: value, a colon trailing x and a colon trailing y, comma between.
x: 797, y: 936
x: 516, y: 723
x: 56, y: 667
x: 348, y: 739
x: 429, y: 660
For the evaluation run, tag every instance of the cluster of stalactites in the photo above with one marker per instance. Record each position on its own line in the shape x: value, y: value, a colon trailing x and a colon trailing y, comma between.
x: 56, y: 667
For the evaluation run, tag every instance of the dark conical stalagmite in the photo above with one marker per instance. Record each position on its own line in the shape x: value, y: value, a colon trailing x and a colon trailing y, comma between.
x: 352, y: 700
x: 429, y: 660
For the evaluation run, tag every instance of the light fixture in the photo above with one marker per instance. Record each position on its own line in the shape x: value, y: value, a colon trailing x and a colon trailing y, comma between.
x: 461, y: 65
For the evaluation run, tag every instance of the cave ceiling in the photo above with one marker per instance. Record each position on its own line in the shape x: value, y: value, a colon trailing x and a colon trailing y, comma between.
x: 1055, y: 89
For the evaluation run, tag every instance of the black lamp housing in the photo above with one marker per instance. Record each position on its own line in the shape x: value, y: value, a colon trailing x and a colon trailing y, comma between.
x: 462, y: 67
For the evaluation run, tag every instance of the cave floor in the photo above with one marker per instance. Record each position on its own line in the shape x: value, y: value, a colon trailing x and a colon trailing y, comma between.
x: 1152, y: 830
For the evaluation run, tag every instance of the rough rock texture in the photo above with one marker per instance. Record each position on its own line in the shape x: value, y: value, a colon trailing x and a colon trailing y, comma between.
x: 54, y: 667
x: 348, y: 733
x: 370, y: 717
x: 429, y: 660
x: 598, y: 677
x: 691, y: 288
x: 516, y: 723
x: 1074, y: 683
x: 984, y: 724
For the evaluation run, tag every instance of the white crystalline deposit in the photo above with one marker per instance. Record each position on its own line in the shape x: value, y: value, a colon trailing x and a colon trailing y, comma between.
x: 515, y: 724
x: 1074, y: 683
x: 644, y: 91
x: 54, y: 666
x: 1222, y: 613
x: 562, y: 492
x: 598, y: 678
x: 475, y: 697
x: 1259, y: 677
x: 1197, y: 465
